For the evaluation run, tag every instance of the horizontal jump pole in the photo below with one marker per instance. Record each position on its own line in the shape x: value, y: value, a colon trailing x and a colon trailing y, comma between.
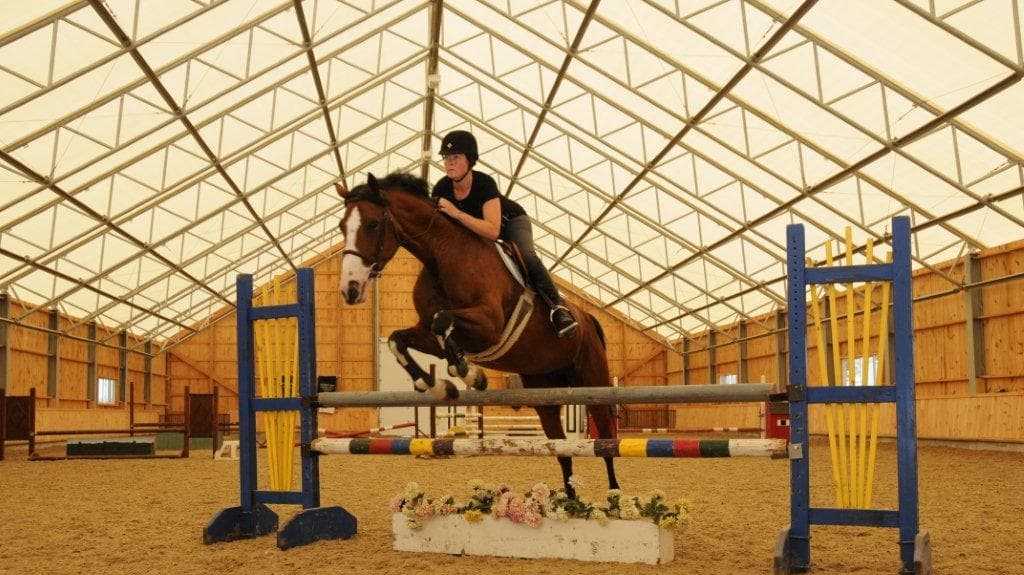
x: 544, y: 447
x: 738, y: 393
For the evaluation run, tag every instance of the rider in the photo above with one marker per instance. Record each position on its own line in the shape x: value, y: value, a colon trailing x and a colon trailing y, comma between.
x: 472, y: 198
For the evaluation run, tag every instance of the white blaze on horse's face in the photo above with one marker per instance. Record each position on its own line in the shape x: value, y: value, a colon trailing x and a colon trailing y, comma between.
x: 355, y: 273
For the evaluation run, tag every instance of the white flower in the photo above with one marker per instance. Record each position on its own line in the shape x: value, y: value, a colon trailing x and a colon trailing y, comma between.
x: 412, y: 490
x: 599, y: 516
x: 629, y: 511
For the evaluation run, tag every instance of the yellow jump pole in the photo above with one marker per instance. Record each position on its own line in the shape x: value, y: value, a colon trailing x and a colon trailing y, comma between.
x: 291, y: 390
x: 265, y: 365
x: 823, y: 371
x: 851, y: 369
x: 281, y: 465
x: 837, y: 366
x: 880, y: 379
x: 865, y: 367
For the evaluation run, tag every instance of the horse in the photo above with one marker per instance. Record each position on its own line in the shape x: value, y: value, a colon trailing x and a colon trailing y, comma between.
x: 464, y: 296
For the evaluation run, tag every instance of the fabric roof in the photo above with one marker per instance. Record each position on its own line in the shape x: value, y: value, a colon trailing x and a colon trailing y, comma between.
x: 151, y: 151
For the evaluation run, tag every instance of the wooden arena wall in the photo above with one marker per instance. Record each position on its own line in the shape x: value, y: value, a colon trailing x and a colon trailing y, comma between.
x: 69, y: 402
x: 345, y: 347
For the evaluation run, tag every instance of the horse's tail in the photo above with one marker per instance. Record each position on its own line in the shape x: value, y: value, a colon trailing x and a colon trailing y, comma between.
x: 600, y: 330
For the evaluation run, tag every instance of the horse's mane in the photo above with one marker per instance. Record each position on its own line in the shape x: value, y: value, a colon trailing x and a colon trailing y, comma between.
x: 403, y: 181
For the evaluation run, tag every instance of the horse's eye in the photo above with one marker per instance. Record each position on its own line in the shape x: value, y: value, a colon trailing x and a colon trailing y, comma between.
x: 372, y: 226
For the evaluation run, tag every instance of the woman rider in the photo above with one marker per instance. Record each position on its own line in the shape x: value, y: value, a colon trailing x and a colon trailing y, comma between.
x: 472, y: 198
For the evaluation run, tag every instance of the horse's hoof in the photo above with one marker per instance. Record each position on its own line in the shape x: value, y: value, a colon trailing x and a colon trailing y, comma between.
x: 445, y: 391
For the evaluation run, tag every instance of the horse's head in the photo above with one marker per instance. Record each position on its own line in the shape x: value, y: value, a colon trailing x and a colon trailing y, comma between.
x: 371, y: 239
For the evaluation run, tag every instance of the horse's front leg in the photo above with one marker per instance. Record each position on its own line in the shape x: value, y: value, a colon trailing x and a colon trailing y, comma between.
x: 474, y: 324
x: 419, y: 338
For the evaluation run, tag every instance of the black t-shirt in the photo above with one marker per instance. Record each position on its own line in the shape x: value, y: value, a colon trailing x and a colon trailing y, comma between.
x: 483, y: 189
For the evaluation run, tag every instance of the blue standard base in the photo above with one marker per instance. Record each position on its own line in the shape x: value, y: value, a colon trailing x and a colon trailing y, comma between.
x: 784, y: 562
x: 317, y: 524
x: 235, y: 523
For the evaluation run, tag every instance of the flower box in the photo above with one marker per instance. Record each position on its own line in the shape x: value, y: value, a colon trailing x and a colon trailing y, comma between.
x: 621, y: 541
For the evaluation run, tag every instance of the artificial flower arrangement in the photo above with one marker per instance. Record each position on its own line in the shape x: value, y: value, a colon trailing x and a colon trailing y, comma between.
x: 539, y: 503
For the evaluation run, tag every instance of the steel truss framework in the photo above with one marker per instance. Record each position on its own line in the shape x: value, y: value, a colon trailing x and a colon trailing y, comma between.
x: 152, y: 151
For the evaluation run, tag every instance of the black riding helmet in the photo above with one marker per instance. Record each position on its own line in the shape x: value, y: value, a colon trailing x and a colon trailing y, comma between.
x: 460, y: 142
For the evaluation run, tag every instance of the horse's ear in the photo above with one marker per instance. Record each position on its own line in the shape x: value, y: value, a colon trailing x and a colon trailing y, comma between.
x: 342, y: 189
x: 372, y: 182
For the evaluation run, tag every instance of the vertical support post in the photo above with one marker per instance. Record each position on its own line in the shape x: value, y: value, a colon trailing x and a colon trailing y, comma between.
x: 122, y: 362
x: 131, y: 409
x: 799, y: 537
x: 187, y: 436
x: 307, y: 389
x: 147, y: 373
x: 215, y: 416
x: 5, y: 349
x: 432, y: 412
x: 686, y: 361
x: 906, y: 417
x: 3, y: 420
x: 480, y: 421
x: 32, y: 423
x: 246, y: 392
x: 973, y: 311
x: 53, y: 355
x: 711, y: 357
x: 742, y: 375
x: 90, y: 368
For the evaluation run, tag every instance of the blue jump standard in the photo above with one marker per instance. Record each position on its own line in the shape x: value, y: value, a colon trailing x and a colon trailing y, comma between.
x: 793, y: 548
x: 253, y: 518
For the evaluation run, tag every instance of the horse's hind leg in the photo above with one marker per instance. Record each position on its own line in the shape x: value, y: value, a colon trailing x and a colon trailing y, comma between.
x: 603, y: 416
x: 551, y: 422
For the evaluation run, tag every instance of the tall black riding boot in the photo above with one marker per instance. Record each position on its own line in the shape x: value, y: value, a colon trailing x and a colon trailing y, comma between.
x: 561, y: 318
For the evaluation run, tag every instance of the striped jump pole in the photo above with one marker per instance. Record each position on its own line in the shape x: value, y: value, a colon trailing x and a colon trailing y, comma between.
x: 543, y: 447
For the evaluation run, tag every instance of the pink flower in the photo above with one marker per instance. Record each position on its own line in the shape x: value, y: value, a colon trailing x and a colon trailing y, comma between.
x: 502, y: 505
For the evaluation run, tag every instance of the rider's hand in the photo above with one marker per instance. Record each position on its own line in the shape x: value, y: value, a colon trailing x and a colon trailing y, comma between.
x: 448, y: 208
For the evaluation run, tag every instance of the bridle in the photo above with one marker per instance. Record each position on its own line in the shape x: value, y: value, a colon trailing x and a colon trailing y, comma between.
x: 376, y: 264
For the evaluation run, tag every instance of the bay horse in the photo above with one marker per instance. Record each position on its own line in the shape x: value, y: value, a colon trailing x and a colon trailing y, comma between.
x: 464, y: 296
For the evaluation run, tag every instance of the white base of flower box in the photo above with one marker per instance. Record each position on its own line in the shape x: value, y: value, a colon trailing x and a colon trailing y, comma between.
x: 618, y: 541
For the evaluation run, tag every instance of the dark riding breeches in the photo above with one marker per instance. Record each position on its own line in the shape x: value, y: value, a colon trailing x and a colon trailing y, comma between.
x: 520, y: 231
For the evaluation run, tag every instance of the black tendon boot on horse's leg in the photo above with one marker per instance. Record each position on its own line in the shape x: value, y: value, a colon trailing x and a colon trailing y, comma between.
x: 603, y: 419
x: 442, y: 326
x: 551, y: 421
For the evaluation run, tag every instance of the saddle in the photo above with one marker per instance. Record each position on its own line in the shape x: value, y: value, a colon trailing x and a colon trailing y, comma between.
x: 513, y: 260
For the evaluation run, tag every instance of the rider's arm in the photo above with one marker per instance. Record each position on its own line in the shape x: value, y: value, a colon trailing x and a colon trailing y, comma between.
x: 490, y: 226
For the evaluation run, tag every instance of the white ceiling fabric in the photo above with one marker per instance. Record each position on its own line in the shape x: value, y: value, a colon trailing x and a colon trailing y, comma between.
x: 151, y: 151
